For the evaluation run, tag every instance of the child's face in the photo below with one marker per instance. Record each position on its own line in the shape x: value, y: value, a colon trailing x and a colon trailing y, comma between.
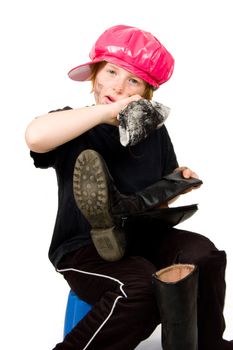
x: 114, y: 83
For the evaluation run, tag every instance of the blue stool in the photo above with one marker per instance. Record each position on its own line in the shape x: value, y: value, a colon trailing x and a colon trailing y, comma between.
x: 76, y: 309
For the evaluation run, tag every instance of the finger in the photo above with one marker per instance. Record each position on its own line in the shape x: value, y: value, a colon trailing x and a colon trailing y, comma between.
x: 187, y: 173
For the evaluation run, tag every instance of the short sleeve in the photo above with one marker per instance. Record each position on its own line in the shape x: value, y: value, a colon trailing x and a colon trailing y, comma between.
x: 47, y: 159
x: 44, y: 160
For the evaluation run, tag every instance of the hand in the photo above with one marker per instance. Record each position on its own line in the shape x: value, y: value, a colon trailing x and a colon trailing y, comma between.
x: 187, y: 174
x: 113, y: 109
x: 123, y: 103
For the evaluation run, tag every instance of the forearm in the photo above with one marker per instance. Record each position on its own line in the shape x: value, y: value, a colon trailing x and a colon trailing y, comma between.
x: 54, y: 129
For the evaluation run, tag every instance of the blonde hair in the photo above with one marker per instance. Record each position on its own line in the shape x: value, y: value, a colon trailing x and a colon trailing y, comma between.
x: 149, y: 89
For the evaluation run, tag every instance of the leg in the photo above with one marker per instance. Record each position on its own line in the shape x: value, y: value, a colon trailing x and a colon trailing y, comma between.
x: 179, y: 246
x: 104, y: 206
x: 124, y: 311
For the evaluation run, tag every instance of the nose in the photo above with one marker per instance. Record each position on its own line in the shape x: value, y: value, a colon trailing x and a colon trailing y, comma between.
x: 119, y: 86
x: 118, y: 89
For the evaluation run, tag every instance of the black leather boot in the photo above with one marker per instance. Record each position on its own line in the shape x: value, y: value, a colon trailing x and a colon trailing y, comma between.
x: 176, y: 293
x: 104, y: 206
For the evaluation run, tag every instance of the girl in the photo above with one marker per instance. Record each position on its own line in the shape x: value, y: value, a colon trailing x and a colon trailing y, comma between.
x: 127, y: 64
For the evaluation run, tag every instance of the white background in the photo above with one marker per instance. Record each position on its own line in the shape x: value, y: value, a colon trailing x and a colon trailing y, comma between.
x: 40, y: 42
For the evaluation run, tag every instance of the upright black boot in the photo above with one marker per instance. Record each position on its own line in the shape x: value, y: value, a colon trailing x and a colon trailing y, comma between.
x: 104, y: 206
x: 176, y: 293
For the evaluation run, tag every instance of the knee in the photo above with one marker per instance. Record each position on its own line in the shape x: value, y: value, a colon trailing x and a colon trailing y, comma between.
x: 199, y: 250
x: 210, y: 259
x: 213, y: 263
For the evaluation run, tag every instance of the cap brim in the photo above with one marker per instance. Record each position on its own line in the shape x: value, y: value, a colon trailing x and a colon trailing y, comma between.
x: 82, y: 72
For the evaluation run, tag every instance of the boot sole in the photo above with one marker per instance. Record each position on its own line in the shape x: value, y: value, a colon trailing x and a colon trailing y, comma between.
x: 91, y: 193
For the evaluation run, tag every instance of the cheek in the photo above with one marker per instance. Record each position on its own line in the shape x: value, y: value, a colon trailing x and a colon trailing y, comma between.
x: 98, y: 88
x: 140, y: 91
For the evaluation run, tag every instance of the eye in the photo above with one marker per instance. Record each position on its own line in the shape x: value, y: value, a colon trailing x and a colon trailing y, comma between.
x: 111, y: 71
x: 134, y: 81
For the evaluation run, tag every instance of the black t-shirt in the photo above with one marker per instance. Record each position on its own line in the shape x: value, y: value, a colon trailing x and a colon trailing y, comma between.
x: 132, y: 168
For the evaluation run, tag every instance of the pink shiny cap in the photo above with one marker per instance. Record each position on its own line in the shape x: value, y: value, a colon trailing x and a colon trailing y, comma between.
x: 133, y: 49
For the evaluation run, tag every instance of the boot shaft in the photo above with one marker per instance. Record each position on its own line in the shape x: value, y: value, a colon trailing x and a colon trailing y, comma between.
x: 176, y: 292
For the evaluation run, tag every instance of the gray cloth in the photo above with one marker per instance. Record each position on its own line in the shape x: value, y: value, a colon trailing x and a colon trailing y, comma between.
x: 139, y: 119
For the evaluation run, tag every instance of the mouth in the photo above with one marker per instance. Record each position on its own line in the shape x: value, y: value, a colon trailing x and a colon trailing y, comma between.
x: 109, y: 99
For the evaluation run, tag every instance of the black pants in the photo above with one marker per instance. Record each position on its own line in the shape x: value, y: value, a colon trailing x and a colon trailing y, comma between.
x: 125, y: 310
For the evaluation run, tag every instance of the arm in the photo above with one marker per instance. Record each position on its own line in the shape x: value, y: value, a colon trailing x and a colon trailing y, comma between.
x: 54, y: 129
